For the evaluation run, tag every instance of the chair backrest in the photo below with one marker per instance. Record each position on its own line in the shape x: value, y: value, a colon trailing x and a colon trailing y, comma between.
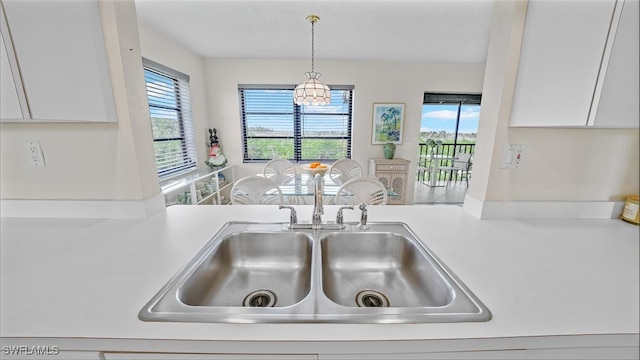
x: 344, y: 170
x: 281, y: 171
x: 362, y: 190
x: 256, y: 190
x: 461, y: 161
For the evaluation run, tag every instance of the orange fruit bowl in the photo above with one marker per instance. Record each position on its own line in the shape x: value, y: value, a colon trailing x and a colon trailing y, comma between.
x: 315, y: 168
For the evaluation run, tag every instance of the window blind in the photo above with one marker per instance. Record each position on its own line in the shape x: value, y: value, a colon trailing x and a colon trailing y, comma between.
x: 171, y: 119
x: 274, y: 127
x: 452, y: 98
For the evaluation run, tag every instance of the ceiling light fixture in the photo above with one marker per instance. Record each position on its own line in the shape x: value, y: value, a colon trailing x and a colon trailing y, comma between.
x: 312, y: 91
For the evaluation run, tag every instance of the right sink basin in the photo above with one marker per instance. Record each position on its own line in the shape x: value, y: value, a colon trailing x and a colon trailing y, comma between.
x: 385, y: 274
x: 381, y: 270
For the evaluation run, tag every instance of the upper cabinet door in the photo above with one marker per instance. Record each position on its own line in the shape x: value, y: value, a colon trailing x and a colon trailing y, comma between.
x: 60, y: 50
x: 10, y: 107
x: 618, y: 103
x: 561, y: 54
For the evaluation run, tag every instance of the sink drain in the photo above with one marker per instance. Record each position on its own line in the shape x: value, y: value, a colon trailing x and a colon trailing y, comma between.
x: 260, y: 298
x: 371, y: 298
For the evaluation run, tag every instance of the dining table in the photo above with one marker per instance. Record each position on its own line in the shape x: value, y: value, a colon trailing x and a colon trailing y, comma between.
x: 303, y: 185
x: 300, y: 189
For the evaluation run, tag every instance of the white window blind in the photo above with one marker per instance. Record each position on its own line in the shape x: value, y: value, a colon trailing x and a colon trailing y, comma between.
x: 274, y: 127
x: 171, y: 119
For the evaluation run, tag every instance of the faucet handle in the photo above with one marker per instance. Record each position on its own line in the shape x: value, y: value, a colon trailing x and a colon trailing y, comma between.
x: 363, y: 217
x: 340, y: 217
x: 293, y: 216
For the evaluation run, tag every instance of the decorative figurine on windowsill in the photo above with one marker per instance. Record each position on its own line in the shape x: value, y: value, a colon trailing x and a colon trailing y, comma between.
x: 216, y: 157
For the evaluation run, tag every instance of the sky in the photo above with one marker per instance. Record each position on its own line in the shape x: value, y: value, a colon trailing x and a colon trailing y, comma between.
x: 443, y: 118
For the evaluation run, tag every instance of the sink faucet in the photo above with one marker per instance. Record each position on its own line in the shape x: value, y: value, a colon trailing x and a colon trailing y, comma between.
x: 318, y: 210
x: 293, y: 216
x: 340, y: 216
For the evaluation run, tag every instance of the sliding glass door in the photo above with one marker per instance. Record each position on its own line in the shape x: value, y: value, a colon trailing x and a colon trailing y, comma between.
x: 452, y: 120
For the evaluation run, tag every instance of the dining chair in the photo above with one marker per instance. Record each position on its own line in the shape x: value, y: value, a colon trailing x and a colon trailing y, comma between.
x: 424, y: 172
x: 344, y: 170
x: 362, y: 190
x: 424, y: 169
x: 256, y: 190
x: 281, y: 171
x: 460, y: 164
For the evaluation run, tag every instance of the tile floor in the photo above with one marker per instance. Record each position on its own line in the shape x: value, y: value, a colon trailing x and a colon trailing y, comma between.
x: 452, y: 194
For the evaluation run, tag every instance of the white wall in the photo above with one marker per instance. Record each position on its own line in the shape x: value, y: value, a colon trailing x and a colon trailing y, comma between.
x: 373, y: 81
x: 90, y: 161
x: 570, y: 165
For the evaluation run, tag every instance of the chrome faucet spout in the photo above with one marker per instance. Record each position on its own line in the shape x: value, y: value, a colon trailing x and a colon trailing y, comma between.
x: 318, y: 210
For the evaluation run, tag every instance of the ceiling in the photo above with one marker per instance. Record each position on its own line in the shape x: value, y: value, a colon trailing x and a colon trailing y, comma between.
x: 451, y: 31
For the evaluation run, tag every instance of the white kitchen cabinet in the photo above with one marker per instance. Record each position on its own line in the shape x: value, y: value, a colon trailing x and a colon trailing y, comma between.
x: 61, y: 55
x: 12, y: 97
x: 561, y: 53
x: 393, y: 174
x: 578, y: 65
x: 207, y: 187
x: 616, y: 99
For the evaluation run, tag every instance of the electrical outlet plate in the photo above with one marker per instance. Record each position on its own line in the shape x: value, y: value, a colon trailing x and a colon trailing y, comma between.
x: 512, y: 156
x: 35, y: 156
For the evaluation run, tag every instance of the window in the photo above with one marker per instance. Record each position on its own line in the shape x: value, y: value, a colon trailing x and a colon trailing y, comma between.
x: 274, y: 127
x: 171, y: 119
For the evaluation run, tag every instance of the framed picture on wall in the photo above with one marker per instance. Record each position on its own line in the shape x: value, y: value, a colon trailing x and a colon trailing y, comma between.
x: 387, y: 123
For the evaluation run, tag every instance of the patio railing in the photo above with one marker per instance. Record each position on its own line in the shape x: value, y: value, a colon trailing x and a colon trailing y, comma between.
x: 446, y: 149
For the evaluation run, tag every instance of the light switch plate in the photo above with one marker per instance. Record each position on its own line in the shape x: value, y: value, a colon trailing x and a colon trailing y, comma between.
x: 35, y: 156
x: 512, y: 155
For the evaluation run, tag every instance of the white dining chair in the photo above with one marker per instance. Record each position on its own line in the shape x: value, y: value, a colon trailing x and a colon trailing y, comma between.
x: 281, y: 171
x: 424, y: 169
x: 256, y: 190
x: 344, y: 170
x: 460, y: 164
x: 362, y: 190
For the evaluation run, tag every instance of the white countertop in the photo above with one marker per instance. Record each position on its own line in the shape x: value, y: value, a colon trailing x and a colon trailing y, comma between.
x: 89, y: 278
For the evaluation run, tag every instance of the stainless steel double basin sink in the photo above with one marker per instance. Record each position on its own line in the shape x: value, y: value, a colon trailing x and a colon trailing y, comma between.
x: 266, y: 273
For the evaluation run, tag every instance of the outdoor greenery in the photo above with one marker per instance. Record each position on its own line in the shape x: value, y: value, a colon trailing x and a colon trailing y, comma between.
x: 165, y: 128
x: 168, y: 152
x: 312, y: 148
x: 266, y: 148
x: 463, y: 138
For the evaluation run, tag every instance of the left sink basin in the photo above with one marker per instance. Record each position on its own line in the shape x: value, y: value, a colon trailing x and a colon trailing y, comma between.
x: 245, y: 273
x: 255, y: 269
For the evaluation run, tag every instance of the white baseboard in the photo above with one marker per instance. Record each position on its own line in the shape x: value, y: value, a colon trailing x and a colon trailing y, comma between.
x: 543, y: 209
x: 83, y: 209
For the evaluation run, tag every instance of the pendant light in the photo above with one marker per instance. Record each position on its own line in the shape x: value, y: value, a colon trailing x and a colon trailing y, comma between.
x: 312, y: 91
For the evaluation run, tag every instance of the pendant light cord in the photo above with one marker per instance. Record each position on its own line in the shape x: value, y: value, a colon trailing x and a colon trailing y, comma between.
x: 313, y: 21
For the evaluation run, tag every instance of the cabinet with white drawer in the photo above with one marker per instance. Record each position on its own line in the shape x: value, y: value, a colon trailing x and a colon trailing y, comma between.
x: 393, y: 174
